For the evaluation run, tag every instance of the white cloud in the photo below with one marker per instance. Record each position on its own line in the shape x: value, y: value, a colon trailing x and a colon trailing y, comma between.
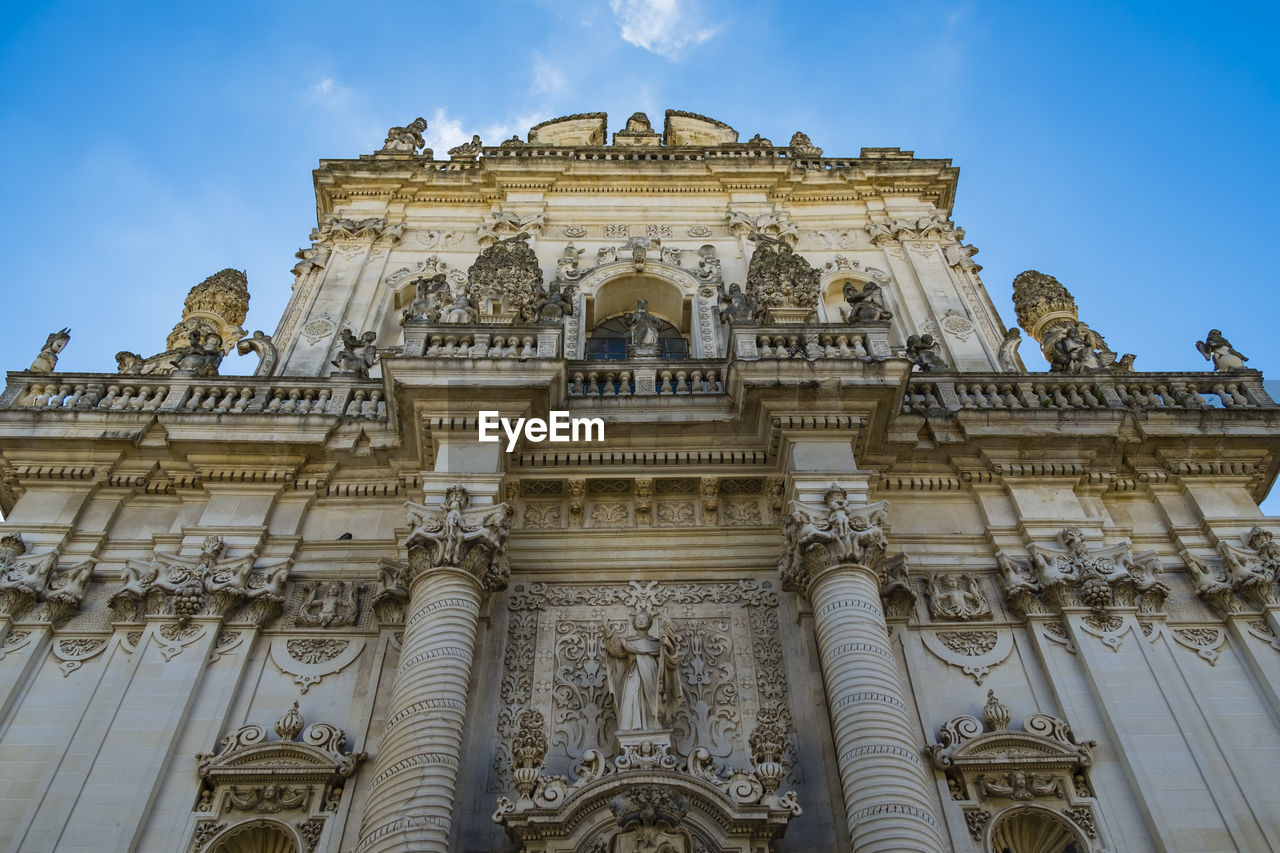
x: 547, y: 79
x: 444, y: 133
x: 662, y: 27
x: 324, y: 87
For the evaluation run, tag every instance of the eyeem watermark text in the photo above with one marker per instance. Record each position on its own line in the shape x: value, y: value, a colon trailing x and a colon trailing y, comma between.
x: 560, y: 427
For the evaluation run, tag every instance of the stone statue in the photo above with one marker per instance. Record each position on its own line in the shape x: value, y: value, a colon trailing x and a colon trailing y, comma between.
x: 957, y: 598
x: 427, y: 304
x: 451, y: 533
x: 643, y: 675
x: 407, y: 140
x: 1074, y: 352
x: 48, y: 357
x: 333, y: 606
x: 735, y: 306
x: 357, y: 354
x: 643, y: 329
x: 923, y: 352
x: 310, y: 258
x: 200, y: 357
x: 865, y: 305
x: 460, y: 311
x: 1218, y: 349
x: 467, y: 150
x: 556, y: 305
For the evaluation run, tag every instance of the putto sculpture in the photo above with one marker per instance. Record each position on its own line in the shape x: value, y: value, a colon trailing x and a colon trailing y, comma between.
x: 865, y: 305
x: 455, y: 535
x: 47, y: 360
x: 1218, y: 349
x: 840, y: 531
x: 407, y: 139
x: 357, y: 354
x: 923, y: 352
x: 201, y: 356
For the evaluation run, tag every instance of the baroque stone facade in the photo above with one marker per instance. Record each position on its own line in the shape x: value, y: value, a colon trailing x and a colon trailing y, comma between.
x: 836, y: 539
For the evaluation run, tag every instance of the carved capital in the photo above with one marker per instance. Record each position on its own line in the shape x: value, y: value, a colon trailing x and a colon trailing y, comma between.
x: 455, y: 535
x: 835, y: 533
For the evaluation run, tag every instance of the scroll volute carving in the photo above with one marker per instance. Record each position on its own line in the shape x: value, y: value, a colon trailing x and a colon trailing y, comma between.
x: 458, y: 536
x: 29, y: 580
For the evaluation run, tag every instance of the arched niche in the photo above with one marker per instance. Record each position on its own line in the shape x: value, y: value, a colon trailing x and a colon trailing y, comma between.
x: 260, y: 836
x: 1032, y: 829
x: 833, y: 283
x: 674, y: 295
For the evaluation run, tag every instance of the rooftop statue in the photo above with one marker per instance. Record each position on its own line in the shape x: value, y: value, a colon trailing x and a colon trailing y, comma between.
x: 48, y: 357
x: 556, y: 305
x: 923, y: 352
x: 1218, y: 349
x: 407, y: 140
x: 357, y: 354
x: 201, y: 356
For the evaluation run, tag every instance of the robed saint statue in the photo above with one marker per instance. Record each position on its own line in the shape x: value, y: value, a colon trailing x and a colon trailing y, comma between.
x: 644, y: 677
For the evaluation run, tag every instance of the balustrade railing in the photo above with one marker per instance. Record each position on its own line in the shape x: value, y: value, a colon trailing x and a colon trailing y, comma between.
x: 1139, y: 392
x: 218, y: 395
x: 594, y: 379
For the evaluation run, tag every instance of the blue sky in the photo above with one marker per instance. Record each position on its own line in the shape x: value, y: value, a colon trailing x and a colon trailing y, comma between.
x: 1130, y: 152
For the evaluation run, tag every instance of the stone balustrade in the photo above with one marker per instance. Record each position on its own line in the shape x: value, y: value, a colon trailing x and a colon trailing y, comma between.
x: 436, y: 340
x: 594, y: 379
x: 1138, y: 391
x: 217, y: 395
x: 867, y: 341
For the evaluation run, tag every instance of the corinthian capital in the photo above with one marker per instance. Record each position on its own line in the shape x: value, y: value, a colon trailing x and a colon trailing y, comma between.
x: 835, y: 533
x: 457, y: 536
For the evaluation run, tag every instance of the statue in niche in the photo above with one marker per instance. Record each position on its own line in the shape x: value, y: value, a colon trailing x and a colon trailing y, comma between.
x: 200, y: 357
x: 923, y: 352
x: 47, y: 360
x: 408, y: 139
x: 735, y: 306
x: 1218, y: 349
x: 556, y: 305
x: 429, y: 300
x: 458, y: 312
x: 643, y: 328
x: 865, y: 306
x: 643, y: 675
x: 357, y: 354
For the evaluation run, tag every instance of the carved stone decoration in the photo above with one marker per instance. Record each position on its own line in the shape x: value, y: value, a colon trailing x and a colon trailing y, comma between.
x: 1077, y: 576
x: 338, y: 229
x: 331, y: 604
x: 992, y: 769
x: 313, y: 257
x: 47, y: 360
x: 254, y: 775
x: 456, y: 536
x: 310, y: 659
x: 1010, y: 361
x: 214, y: 307
x: 25, y: 584
x: 1252, y: 573
x: 261, y: 344
x: 643, y: 675
x: 200, y: 357
x: 780, y: 282
x: 1218, y: 349
x: 1205, y: 642
x: 504, y: 225
x: 836, y: 532
x: 866, y: 305
x: 1047, y: 311
x: 508, y: 271
x: 467, y: 151
x: 709, y: 488
x: 975, y: 653
x: 770, y: 226
x: 357, y: 354
x: 74, y: 651
x: 204, y: 585
x: 934, y: 225
x: 407, y: 139
x: 957, y: 598
x: 802, y: 148
x: 923, y: 352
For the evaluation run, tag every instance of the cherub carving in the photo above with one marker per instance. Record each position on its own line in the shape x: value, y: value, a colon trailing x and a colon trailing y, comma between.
x: 200, y: 357
x: 923, y: 352
x: 957, y: 597
x: 1018, y: 785
x: 407, y: 139
x: 556, y: 305
x: 47, y: 360
x: 335, y: 606
x: 357, y: 354
x: 28, y: 577
x: 735, y: 306
x: 1218, y: 349
x: 850, y: 534
x: 428, y: 302
x: 459, y: 311
x: 467, y: 150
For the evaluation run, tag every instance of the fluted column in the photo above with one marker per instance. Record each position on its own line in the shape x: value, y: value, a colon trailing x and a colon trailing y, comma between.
x: 836, y: 557
x: 455, y: 558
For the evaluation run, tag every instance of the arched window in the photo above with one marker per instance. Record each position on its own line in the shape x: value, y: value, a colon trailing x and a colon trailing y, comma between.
x: 608, y: 309
x: 608, y: 340
x: 257, y: 837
